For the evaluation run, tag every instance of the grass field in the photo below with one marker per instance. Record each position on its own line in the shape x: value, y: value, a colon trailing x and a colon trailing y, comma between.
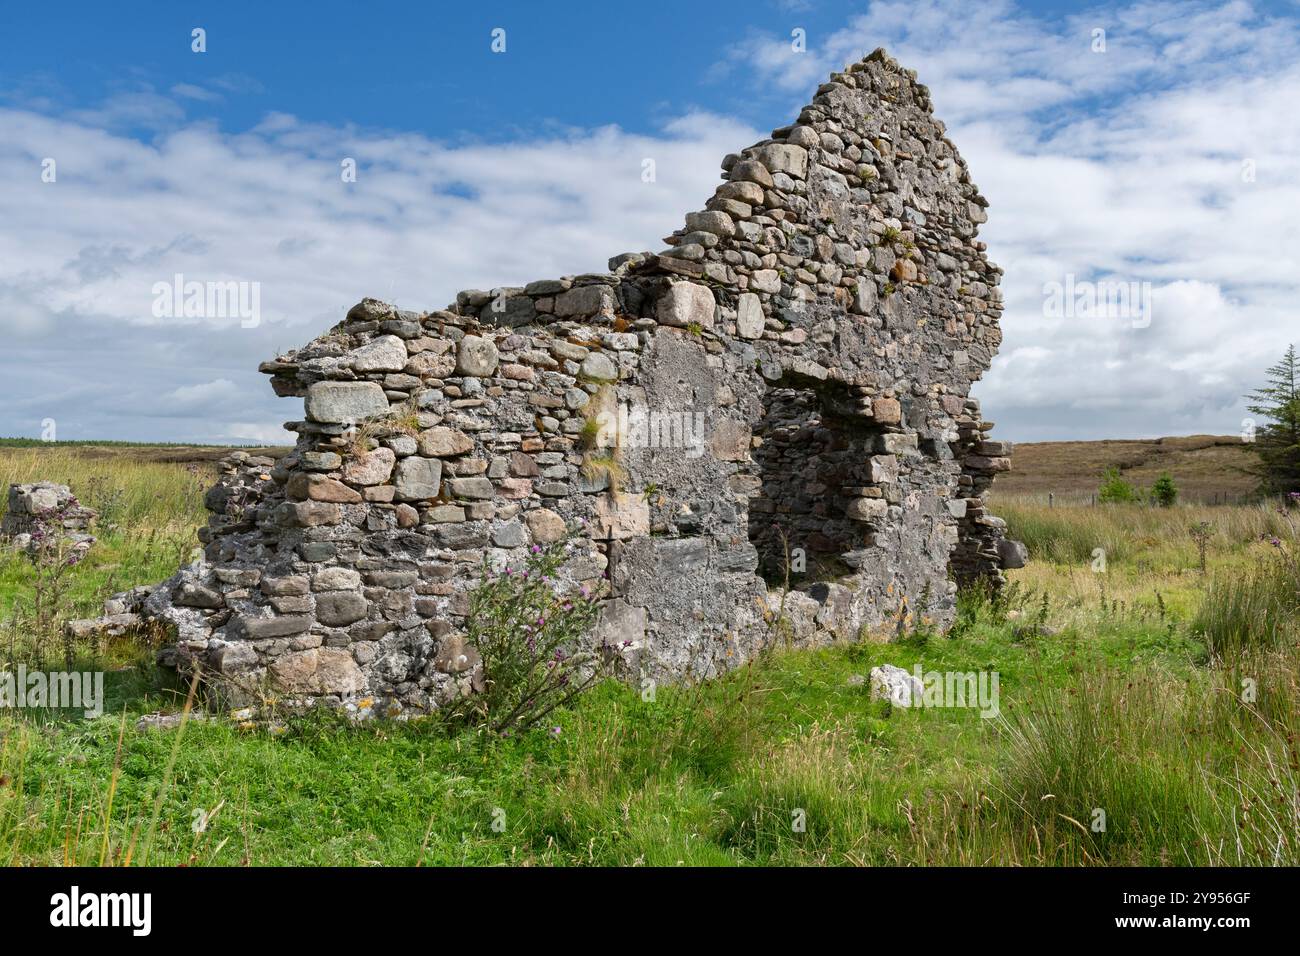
x: 1138, y: 692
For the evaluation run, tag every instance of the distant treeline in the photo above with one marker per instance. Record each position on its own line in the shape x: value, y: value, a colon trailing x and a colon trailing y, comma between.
x: 37, y: 442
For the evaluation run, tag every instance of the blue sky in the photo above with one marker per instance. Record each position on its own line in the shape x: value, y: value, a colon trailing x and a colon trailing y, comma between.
x: 480, y: 169
x: 419, y: 66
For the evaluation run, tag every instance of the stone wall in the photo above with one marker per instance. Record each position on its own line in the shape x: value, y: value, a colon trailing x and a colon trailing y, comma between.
x: 791, y: 372
x: 46, y: 517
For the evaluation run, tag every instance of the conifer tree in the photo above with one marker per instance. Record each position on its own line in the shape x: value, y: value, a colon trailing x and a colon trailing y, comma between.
x: 1277, y: 443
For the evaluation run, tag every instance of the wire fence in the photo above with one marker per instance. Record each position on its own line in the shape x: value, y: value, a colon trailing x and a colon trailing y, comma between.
x: 1075, y: 499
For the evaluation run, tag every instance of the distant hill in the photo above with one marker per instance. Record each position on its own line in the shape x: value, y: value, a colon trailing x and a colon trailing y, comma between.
x: 163, y: 452
x: 1205, y: 467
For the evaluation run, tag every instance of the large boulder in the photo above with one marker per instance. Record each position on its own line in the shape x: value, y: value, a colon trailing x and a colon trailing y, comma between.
x: 1012, y: 554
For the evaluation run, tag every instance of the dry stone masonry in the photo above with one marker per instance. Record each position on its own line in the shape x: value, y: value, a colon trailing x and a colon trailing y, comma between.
x: 46, y: 516
x: 779, y: 397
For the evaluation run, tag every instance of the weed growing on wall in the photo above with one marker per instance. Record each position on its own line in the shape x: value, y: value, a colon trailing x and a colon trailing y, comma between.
x: 532, y: 632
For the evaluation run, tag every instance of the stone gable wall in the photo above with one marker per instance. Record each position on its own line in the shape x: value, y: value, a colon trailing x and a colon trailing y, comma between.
x: 791, y: 372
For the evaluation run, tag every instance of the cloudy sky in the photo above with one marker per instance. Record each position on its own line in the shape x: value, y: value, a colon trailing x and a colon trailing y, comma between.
x: 1150, y: 143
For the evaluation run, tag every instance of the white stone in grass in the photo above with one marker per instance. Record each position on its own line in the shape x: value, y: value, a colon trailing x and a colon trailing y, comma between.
x: 896, y: 685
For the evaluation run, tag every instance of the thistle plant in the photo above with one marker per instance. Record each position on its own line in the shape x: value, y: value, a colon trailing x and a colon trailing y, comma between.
x: 1201, y: 533
x: 53, y: 556
x: 532, y: 632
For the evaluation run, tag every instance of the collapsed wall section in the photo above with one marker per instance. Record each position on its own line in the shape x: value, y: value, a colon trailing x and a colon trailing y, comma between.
x: 791, y: 374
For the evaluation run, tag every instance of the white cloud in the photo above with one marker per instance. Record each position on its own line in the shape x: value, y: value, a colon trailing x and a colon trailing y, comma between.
x: 205, y: 395
x: 1125, y: 165
x: 80, y: 257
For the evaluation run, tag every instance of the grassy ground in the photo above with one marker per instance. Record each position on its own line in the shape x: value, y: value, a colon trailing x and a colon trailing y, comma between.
x: 1119, y: 694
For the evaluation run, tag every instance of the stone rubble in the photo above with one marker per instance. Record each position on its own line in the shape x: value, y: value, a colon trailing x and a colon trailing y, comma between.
x: 31, y: 508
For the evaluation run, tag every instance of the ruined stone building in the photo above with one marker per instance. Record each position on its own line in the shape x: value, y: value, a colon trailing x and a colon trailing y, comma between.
x: 782, y: 394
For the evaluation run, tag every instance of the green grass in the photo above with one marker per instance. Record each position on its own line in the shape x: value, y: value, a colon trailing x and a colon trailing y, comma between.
x: 1110, y: 700
x: 149, y: 512
x: 711, y: 775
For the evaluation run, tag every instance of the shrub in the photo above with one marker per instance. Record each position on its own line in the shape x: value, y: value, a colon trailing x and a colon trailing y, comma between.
x: 1164, y: 492
x: 531, y: 631
x: 1114, y: 489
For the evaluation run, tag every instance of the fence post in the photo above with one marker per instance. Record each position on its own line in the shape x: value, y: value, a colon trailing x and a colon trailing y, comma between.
x: 1051, y: 499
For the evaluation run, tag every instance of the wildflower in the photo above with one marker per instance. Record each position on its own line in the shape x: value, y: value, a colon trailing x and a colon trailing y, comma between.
x: 555, y: 731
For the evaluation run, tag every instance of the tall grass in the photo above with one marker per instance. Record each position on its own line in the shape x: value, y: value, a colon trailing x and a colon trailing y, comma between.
x: 1142, y: 769
x: 1254, y: 608
x: 1094, y: 773
x: 128, y: 492
x: 148, y: 516
x: 1069, y: 534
